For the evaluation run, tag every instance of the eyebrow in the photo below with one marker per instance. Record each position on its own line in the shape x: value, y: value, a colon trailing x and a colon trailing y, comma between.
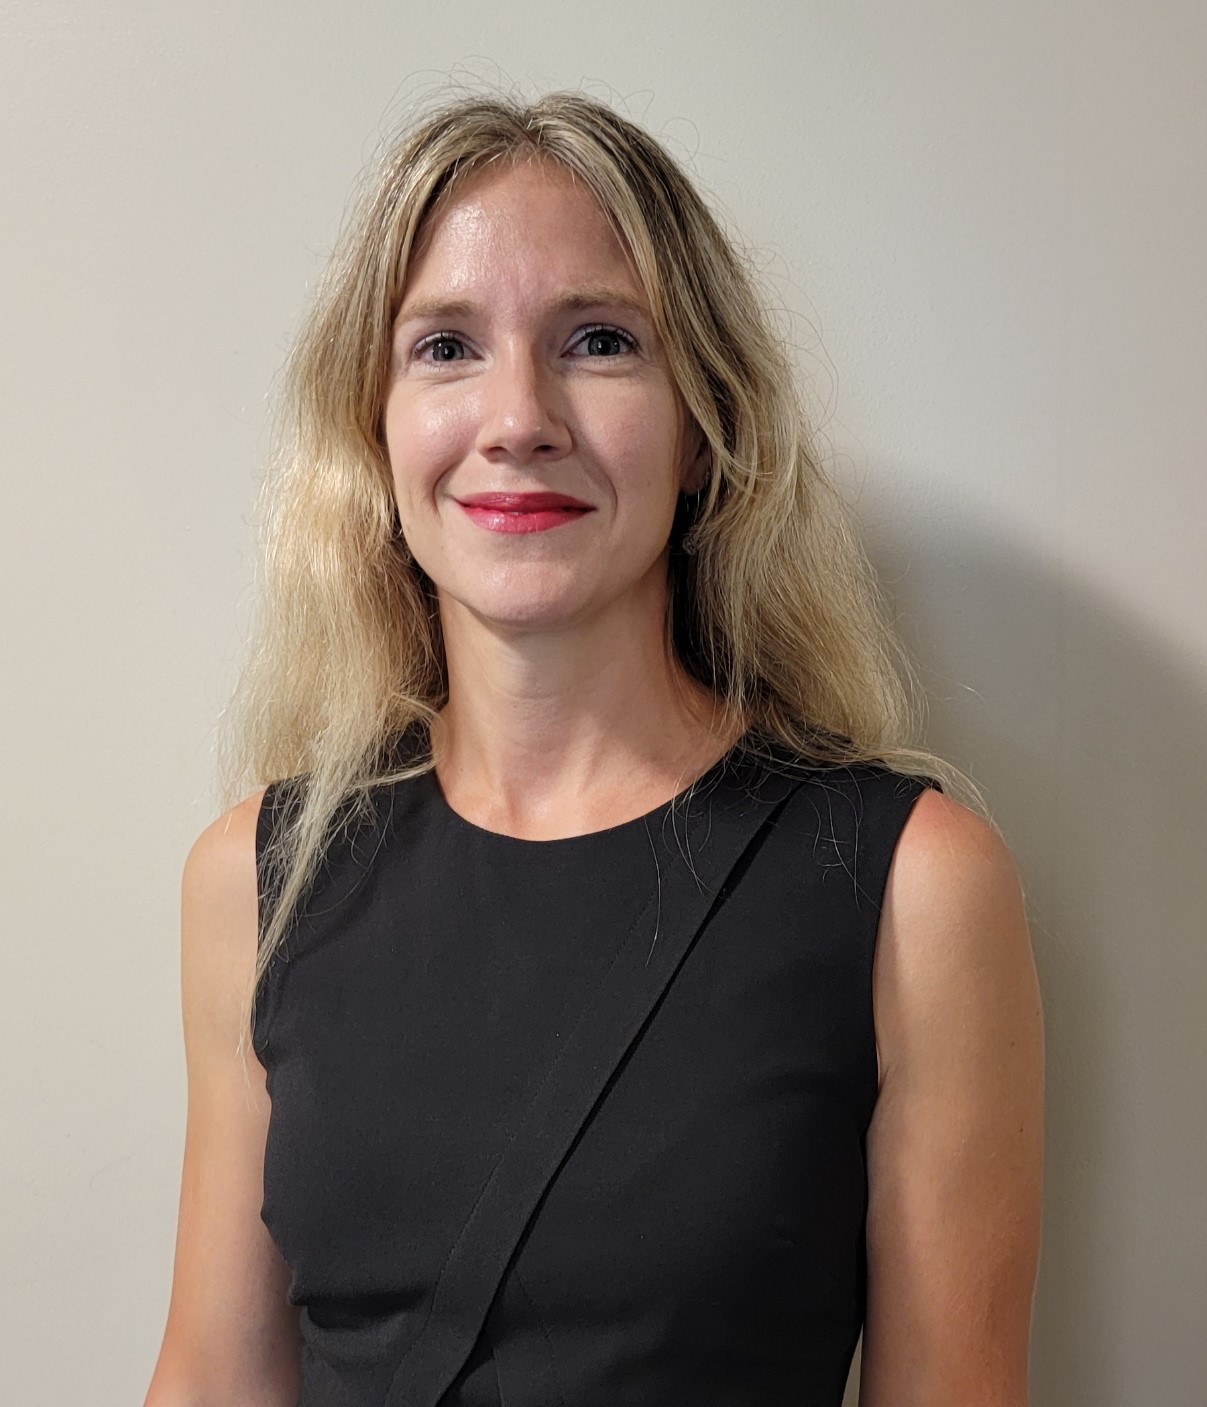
x: 438, y: 308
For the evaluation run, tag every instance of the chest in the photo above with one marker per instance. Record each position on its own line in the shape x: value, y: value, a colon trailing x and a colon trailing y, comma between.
x: 722, y: 1162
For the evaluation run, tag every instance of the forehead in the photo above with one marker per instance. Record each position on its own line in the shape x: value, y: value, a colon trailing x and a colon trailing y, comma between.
x: 533, y: 225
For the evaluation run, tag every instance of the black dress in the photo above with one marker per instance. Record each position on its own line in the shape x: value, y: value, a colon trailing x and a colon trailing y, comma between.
x: 581, y: 1122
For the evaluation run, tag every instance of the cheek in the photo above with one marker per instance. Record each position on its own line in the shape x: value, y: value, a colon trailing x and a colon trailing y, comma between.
x: 424, y: 439
x: 638, y: 437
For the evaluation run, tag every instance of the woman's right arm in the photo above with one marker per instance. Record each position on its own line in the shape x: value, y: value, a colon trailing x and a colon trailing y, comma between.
x: 231, y: 1338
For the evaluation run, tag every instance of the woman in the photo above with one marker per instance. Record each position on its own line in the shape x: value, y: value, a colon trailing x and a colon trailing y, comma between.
x: 590, y: 802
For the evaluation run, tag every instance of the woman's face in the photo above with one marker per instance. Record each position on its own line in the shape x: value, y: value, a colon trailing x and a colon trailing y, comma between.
x: 525, y: 362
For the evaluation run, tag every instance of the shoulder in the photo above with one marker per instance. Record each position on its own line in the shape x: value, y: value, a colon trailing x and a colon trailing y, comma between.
x: 868, y: 807
x: 219, y: 907
x: 949, y: 866
x: 222, y: 859
x: 946, y: 853
x: 955, y: 1146
x: 953, y: 940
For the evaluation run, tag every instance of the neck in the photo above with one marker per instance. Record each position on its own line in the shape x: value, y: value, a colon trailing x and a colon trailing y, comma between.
x: 556, y: 731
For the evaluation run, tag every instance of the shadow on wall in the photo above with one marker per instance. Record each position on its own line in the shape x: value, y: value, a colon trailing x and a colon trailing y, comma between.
x: 1088, y: 734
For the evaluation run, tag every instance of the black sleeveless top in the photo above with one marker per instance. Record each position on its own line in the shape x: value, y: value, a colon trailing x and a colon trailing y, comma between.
x: 581, y: 1122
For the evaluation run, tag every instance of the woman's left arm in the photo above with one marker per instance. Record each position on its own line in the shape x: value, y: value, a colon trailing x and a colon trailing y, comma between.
x: 955, y: 1147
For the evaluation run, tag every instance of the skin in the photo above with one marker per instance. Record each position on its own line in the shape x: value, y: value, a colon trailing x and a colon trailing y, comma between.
x: 955, y: 1147
x: 565, y: 715
x: 231, y: 1335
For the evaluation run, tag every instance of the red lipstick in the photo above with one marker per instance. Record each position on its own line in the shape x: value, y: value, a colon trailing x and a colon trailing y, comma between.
x: 523, y: 512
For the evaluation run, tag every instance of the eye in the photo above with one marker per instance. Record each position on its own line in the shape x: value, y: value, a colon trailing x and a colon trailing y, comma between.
x: 603, y: 340
x: 446, y: 346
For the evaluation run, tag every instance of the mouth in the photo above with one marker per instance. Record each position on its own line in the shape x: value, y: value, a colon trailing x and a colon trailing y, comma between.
x: 523, y: 512
x: 525, y: 502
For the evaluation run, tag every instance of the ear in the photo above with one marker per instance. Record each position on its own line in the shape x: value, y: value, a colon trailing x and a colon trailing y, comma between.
x: 698, y: 461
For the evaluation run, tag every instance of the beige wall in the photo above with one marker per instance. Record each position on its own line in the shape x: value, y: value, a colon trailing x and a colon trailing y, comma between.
x: 991, y: 223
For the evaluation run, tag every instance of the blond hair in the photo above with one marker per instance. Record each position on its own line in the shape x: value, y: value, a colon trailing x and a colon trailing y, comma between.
x: 771, y: 603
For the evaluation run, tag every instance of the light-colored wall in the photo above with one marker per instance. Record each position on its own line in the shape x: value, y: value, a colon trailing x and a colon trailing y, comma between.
x: 990, y: 221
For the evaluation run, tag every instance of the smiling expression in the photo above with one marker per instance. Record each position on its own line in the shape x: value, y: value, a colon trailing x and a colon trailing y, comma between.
x: 525, y: 360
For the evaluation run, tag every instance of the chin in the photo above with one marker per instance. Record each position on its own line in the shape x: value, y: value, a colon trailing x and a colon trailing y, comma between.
x: 550, y: 595
x: 527, y: 615
x: 518, y: 607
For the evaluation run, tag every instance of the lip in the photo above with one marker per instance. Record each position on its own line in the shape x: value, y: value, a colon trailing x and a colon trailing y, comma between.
x: 523, y: 502
x: 523, y: 520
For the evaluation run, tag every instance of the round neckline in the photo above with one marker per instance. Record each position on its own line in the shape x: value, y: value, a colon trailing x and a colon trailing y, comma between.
x: 586, y: 837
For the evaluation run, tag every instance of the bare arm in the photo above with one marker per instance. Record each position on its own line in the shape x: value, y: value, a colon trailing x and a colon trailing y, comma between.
x: 955, y: 1145
x: 231, y: 1336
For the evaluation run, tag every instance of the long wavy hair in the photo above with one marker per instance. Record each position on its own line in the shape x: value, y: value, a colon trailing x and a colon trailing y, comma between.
x: 771, y: 602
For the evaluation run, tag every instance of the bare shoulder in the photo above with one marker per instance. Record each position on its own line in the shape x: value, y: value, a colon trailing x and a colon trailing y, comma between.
x: 231, y: 1334
x: 955, y: 1144
x: 219, y: 891
x: 947, y: 852
x: 220, y: 871
x: 952, y: 926
x: 223, y: 856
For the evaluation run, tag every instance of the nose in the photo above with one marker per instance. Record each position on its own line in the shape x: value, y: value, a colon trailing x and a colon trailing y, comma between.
x: 522, y: 417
